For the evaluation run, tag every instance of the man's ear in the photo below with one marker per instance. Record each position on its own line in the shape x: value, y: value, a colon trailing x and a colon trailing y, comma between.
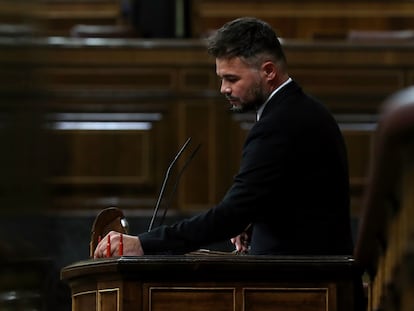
x: 269, y: 70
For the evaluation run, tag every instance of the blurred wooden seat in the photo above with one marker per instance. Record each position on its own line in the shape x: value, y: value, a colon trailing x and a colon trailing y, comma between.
x: 103, y: 31
x: 17, y: 30
x: 385, y: 238
x: 380, y: 35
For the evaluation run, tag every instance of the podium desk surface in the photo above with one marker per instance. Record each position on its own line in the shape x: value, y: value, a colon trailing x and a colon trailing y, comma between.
x: 215, y: 267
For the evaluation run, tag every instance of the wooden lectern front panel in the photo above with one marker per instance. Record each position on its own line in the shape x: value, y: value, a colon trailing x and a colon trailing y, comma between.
x: 174, y: 298
x: 219, y: 283
x: 84, y: 300
x: 230, y: 298
x: 191, y: 298
x: 285, y: 299
x: 108, y: 300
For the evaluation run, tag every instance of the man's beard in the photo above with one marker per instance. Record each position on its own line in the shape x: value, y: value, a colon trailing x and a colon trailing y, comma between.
x: 258, y: 99
x: 238, y: 109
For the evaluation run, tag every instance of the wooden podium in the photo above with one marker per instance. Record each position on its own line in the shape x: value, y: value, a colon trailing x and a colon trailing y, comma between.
x: 213, y: 282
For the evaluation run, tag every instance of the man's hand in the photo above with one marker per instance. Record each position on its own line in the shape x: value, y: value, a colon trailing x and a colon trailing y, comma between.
x: 241, y: 242
x: 131, y: 246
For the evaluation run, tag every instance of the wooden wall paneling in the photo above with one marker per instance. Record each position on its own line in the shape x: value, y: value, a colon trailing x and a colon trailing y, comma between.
x: 358, y: 139
x: 96, y: 80
x: 107, y: 77
x: 126, y: 53
x: 306, y: 20
x: 241, y: 125
x: 196, y: 79
x: 298, y: 19
x: 345, y: 89
x: 89, y: 165
x: 57, y: 18
x: 97, y: 163
x: 225, y: 146
x: 378, y: 55
x: 17, y: 71
x: 195, y: 192
x: 103, y: 157
x: 197, y: 113
x: 410, y: 77
x: 356, y: 82
x: 14, y: 80
x: 15, y: 12
x: 177, y: 79
x: 127, y: 164
x: 207, y: 177
x: 358, y: 143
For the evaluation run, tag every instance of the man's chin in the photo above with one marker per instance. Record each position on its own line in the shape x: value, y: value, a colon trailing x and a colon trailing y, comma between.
x: 240, y: 109
x: 236, y: 109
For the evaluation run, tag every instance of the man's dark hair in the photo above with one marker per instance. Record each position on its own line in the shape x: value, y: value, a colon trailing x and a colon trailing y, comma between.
x: 246, y: 37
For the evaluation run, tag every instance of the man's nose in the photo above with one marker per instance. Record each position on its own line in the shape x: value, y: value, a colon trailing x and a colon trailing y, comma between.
x: 225, y: 89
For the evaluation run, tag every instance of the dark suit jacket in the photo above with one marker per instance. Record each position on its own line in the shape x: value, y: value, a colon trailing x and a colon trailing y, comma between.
x: 292, y: 186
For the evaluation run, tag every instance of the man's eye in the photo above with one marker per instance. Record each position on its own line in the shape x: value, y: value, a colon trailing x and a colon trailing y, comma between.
x: 232, y: 80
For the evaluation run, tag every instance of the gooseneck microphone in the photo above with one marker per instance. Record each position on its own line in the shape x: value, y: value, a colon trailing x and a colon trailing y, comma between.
x: 177, y: 181
x: 166, y: 177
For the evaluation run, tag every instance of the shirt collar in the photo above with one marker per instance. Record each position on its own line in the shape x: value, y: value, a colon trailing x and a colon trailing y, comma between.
x: 261, y: 108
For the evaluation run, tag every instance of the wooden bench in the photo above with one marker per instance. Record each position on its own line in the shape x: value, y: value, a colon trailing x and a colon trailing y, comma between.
x: 386, y: 235
x: 307, y: 19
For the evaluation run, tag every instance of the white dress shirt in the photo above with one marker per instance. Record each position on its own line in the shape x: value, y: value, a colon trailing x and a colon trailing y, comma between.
x: 260, y: 110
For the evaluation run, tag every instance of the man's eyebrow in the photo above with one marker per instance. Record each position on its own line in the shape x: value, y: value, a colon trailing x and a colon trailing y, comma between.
x: 228, y: 75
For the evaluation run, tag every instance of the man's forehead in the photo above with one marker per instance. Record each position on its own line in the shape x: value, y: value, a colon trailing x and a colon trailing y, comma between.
x: 231, y: 66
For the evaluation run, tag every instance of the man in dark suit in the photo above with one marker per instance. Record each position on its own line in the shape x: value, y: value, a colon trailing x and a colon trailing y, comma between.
x: 291, y: 194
